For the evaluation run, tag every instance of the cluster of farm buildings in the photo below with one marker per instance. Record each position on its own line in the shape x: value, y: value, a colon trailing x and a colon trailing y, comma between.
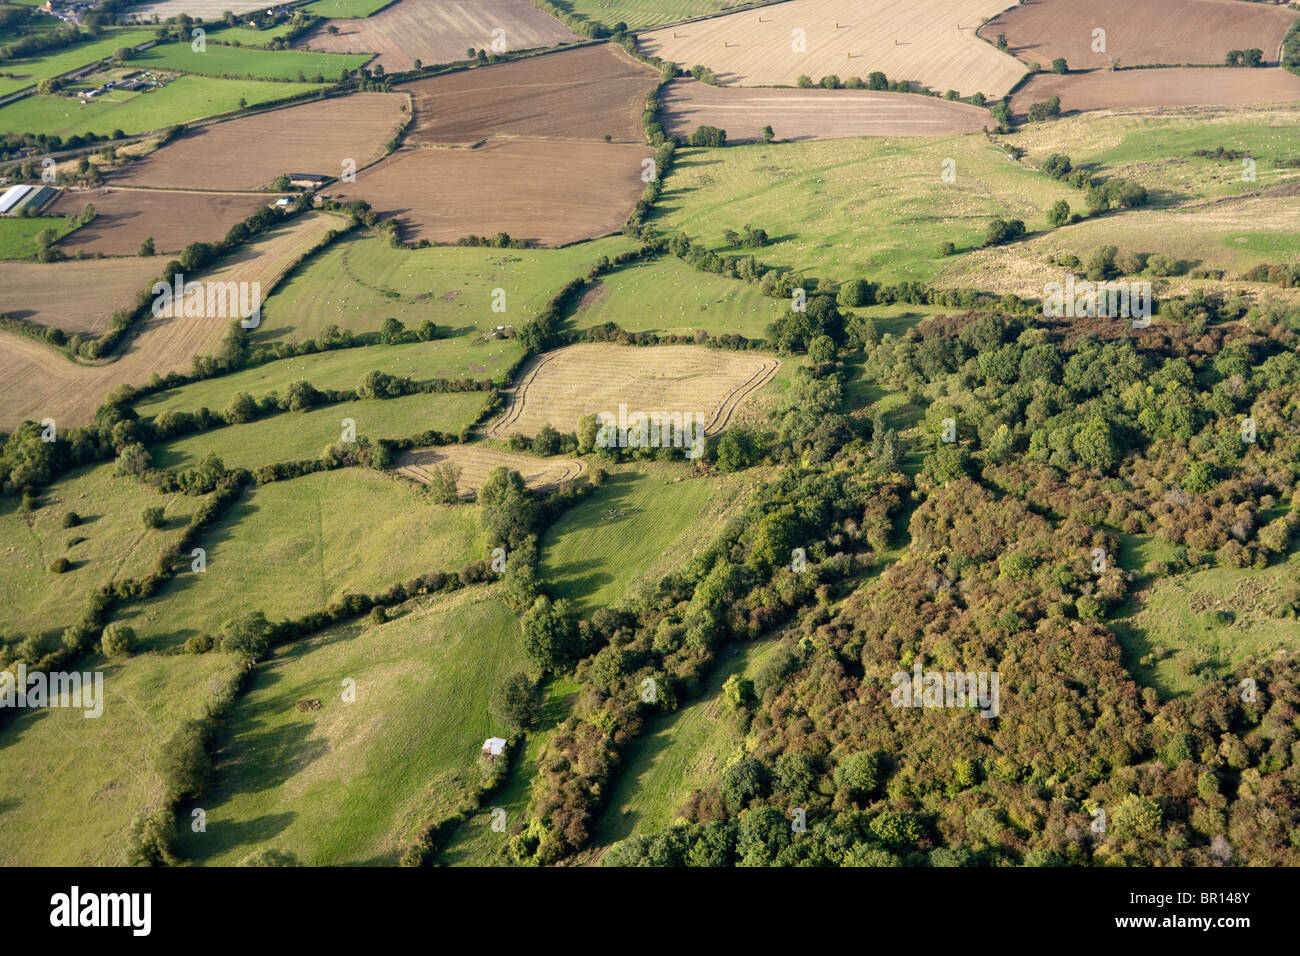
x: 23, y: 197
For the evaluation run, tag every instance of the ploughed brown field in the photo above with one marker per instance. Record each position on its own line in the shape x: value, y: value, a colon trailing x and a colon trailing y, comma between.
x: 550, y: 192
x: 126, y: 217
x: 76, y: 296
x: 38, y: 382
x: 249, y: 153
x: 559, y: 387
x: 813, y: 114
x: 439, y: 31
x: 1137, y: 89
x: 475, y: 461
x: 1172, y: 32
x: 588, y: 93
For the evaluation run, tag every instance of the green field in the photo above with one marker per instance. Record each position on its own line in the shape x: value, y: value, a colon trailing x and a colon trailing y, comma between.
x: 247, y: 36
x: 1171, y: 615
x: 116, y: 546
x: 355, y: 782
x: 854, y: 208
x: 18, y: 236
x: 464, y: 357
x: 71, y: 785
x: 219, y: 60
x: 291, y: 436
x: 667, y: 295
x: 293, y: 547
x: 182, y: 100
x: 647, y: 13
x: 362, y: 280
x: 594, y: 558
x: 30, y: 71
x: 345, y: 8
x: 677, y: 753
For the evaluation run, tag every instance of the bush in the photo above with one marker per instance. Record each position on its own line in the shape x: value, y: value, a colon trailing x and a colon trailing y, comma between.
x: 118, y: 640
x: 1060, y: 66
x: 947, y: 249
x: 1058, y: 166
x: 1002, y: 231
x: 248, y: 635
x: 517, y: 702
x: 71, y: 519
x: 1059, y: 214
x: 153, y: 518
x: 61, y: 565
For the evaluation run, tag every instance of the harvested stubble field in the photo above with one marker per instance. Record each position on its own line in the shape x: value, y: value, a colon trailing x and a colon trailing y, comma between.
x: 550, y: 192
x: 439, y: 31
x: 1168, y: 32
x: 75, y: 296
x: 40, y: 382
x: 311, y: 138
x: 126, y: 217
x: 588, y: 93
x: 813, y: 114
x: 1138, y: 89
x: 475, y: 461
x: 559, y: 387
x: 932, y: 42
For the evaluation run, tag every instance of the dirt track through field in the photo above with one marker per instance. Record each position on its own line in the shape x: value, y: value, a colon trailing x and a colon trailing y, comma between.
x: 475, y: 461
x: 39, y: 382
x: 588, y: 93
x: 813, y: 114
x: 561, y: 386
x: 439, y: 31
x: 931, y: 42
x: 1171, y: 32
x: 1136, y: 89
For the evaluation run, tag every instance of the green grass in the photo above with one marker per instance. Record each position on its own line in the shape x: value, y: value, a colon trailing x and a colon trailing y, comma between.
x: 71, y: 785
x: 338, y: 9
x: 355, y: 782
x: 116, y: 546
x: 18, y: 236
x: 219, y: 60
x: 646, y: 13
x: 57, y: 62
x: 677, y: 753
x: 1170, y: 614
x: 462, y: 357
x: 667, y: 295
x: 361, y: 280
x: 474, y: 842
x: 595, y: 559
x: 247, y: 36
x: 184, y: 99
x: 864, y: 208
x: 293, y: 547
x: 291, y: 436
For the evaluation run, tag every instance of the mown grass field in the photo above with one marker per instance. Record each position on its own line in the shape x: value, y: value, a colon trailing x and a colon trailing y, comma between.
x: 646, y: 13
x: 595, y: 559
x: 860, y: 208
x: 291, y: 436
x: 677, y: 753
x: 463, y: 357
x: 31, y: 70
x: 71, y: 785
x: 219, y: 60
x: 293, y: 547
x: 184, y: 99
x: 355, y: 782
x: 18, y: 236
x: 1168, y: 619
x: 359, y: 281
x: 112, y: 543
x: 667, y: 295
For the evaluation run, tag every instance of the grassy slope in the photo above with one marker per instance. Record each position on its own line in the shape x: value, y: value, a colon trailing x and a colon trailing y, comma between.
x: 360, y: 281
x: 293, y: 547
x: 422, y: 361
x: 291, y: 436
x: 840, y: 209
x: 34, y: 599
x: 353, y: 783
x: 57, y: 62
x: 180, y: 101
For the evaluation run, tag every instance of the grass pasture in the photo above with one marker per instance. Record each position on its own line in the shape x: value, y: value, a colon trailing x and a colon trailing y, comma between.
x: 293, y: 547
x: 355, y: 782
x: 855, y: 208
x: 345, y: 8
x: 18, y: 236
x: 361, y: 280
x: 30, y: 71
x: 291, y: 436
x: 231, y: 61
x: 112, y: 543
